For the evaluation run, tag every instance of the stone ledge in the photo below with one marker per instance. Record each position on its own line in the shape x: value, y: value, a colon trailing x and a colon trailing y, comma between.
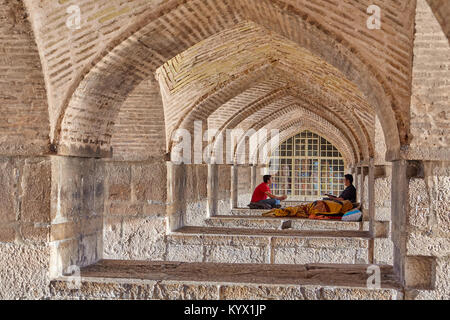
x: 188, y: 230
x: 111, y: 279
x: 259, y: 222
x: 228, y: 245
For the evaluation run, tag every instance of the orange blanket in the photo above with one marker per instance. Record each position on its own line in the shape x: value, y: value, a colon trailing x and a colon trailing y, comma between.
x: 321, y: 210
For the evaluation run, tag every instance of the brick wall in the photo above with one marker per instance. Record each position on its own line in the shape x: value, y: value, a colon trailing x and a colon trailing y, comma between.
x: 24, y: 124
x: 139, y: 131
x: 430, y: 113
x: 66, y: 52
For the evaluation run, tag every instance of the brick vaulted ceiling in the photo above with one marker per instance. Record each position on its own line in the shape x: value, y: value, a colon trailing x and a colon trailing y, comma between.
x: 90, y: 72
x: 196, y: 82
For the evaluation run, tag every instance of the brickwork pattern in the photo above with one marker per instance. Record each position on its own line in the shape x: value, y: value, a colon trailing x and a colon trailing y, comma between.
x: 187, y: 100
x: 430, y: 102
x: 24, y: 122
x: 392, y: 45
x: 138, y: 133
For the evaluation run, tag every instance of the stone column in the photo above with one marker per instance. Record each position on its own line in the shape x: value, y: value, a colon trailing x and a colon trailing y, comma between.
x: 414, y: 263
x: 365, y: 200
x: 76, y: 214
x: 212, y: 189
x: 176, y: 202
x: 360, y: 184
x: 254, y: 169
x: 371, y: 196
x: 383, y: 248
x: 399, y: 196
x: 234, y: 187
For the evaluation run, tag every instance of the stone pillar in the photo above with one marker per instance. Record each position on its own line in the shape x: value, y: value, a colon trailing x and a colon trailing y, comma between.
x: 362, y: 191
x: 414, y: 263
x: 224, y: 186
x: 176, y: 202
x: 76, y: 214
x: 213, y: 189
x: 234, y: 187
x: 244, y: 182
x: 371, y: 196
x: 360, y: 184
x: 426, y: 265
x: 253, y: 176
x: 383, y: 247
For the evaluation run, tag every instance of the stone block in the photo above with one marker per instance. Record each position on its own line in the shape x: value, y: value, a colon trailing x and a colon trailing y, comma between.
x: 75, y: 229
x: 302, y: 292
x: 73, y: 188
x: 134, y: 290
x: 135, y: 238
x: 167, y: 290
x: 196, y: 212
x: 382, y: 229
x: 419, y: 272
x: 358, y: 294
x: 7, y: 234
x: 35, y: 233
x: 7, y: 192
x: 236, y: 254
x: 149, y: 182
x: 263, y: 292
x: 383, y: 213
x: 125, y: 208
x: 224, y: 174
x: 118, y: 181
x: 63, y: 254
x: 383, y: 251
x: 184, y: 253
x: 154, y: 209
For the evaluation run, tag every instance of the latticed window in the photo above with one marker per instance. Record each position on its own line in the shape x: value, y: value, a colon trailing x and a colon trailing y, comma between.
x: 307, y: 166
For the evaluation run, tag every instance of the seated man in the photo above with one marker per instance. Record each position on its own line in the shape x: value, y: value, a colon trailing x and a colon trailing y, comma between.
x: 349, y: 193
x: 263, y: 191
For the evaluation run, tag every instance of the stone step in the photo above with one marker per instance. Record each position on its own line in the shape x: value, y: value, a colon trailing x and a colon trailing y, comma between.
x: 250, y: 212
x: 239, y: 245
x: 260, y: 222
x: 245, y: 212
x: 111, y: 279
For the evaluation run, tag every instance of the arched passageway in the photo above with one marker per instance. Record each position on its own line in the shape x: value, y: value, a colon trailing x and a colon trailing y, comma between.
x: 113, y: 101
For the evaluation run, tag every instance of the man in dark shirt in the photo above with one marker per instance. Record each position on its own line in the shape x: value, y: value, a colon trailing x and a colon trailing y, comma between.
x: 350, y: 191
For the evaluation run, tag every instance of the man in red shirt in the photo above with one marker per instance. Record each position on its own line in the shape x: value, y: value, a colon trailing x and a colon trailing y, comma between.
x: 262, y: 192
